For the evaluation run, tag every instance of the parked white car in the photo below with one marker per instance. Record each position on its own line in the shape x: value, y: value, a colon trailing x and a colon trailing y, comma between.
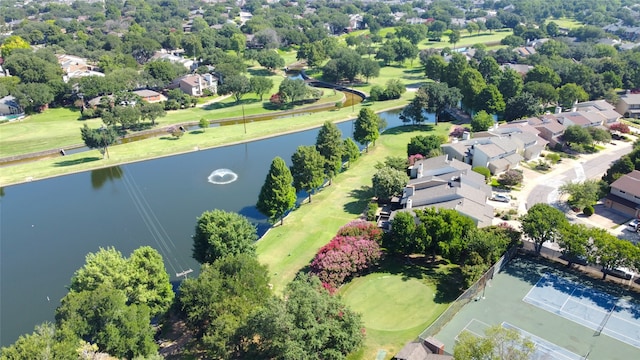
x: 501, y: 198
x: 633, y: 224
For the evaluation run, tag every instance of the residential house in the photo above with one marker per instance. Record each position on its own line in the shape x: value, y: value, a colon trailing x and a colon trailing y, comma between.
x: 602, y: 107
x: 447, y: 184
x: 583, y: 119
x: 10, y: 109
x: 629, y: 105
x: 197, y: 84
x: 525, y: 51
x: 76, y: 67
x: 172, y: 57
x: 498, y: 153
x: 550, y: 128
x: 150, y: 96
x: 356, y: 22
x: 624, y: 196
x: 521, y: 69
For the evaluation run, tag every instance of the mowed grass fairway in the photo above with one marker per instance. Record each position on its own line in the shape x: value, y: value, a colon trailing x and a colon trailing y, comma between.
x: 394, y: 308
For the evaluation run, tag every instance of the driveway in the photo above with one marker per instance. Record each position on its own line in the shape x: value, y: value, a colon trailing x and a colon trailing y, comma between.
x: 543, y: 188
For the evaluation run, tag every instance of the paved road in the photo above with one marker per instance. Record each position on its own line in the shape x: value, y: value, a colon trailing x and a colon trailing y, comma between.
x: 587, y: 167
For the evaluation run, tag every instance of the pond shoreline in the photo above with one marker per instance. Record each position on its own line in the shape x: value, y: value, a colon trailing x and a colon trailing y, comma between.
x: 198, y: 148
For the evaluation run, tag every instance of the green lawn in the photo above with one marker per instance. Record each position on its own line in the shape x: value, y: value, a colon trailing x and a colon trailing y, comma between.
x: 567, y: 23
x: 288, y: 249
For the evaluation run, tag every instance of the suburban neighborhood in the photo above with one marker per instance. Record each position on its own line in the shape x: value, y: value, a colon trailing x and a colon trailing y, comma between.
x: 435, y: 179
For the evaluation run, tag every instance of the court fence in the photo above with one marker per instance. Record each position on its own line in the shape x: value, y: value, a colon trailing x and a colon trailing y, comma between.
x: 472, y: 293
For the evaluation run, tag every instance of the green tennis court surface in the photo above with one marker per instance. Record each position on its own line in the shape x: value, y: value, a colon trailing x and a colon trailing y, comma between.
x: 503, y: 305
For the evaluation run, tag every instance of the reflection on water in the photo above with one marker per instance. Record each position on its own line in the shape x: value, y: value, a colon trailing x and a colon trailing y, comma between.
x: 100, y: 176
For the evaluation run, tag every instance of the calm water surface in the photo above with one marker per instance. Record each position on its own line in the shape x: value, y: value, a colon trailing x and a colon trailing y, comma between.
x: 47, y: 227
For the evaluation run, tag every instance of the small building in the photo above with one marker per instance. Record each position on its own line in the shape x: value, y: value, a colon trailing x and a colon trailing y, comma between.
x: 10, y: 109
x: 497, y: 152
x: 76, y: 67
x: 196, y: 84
x: 624, y: 196
x: 629, y: 105
x: 150, y: 96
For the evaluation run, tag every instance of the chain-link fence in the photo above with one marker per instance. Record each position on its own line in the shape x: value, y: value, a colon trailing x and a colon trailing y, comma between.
x: 473, y: 292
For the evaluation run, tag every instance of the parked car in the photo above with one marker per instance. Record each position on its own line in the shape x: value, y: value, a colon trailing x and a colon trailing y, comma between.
x: 580, y: 259
x: 501, y: 198
x: 619, y: 272
x: 633, y: 224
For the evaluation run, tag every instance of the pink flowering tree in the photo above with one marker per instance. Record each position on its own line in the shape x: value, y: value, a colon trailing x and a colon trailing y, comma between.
x: 362, y: 228
x: 415, y: 157
x: 343, y: 257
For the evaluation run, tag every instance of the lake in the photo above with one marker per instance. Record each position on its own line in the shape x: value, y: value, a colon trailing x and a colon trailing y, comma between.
x: 47, y: 227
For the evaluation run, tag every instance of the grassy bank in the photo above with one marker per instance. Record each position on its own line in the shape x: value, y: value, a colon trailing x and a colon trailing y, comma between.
x: 288, y: 249
x: 167, y: 146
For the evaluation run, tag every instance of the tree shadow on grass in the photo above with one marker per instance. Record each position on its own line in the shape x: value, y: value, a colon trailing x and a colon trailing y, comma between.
x: 361, y: 198
x: 448, y: 281
x: 196, y: 132
x: 77, y: 161
x: 224, y: 105
x: 172, y: 138
x: 260, y: 72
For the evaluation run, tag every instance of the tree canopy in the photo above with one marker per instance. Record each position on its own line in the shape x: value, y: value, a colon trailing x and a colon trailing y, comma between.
x: 366, y: 127
x: 307, y: 169
x: 310, y: 324
x: 277, y: 195
x: 219, y: 233
x: 543, y: 223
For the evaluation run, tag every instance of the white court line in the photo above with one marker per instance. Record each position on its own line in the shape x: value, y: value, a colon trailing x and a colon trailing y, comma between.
x: 569, y: 298
x: 535, y: 286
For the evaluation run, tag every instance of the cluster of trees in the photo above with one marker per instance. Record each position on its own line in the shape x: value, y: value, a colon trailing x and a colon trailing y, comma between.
x: 447, y: 233
x: 624, y: 165
x: 292, y: 90
x: 313, y: 165
x: 233, y: 314
x: 108, y: 309
x: 582, y: 140
x: 545, y: 223
x: 354, y: 249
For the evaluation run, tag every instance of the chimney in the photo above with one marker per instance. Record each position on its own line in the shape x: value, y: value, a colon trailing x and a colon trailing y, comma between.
x: 420, y: 170
x: 409, y: 204
x: 574, y: 108
x: 466, y: 135
x: 558, y: 110
x: 199, y: 85
x: 409, y: 191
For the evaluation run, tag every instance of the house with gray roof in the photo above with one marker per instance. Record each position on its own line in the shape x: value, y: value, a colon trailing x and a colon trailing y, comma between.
x: 446, y: 183
x: 498, y: 153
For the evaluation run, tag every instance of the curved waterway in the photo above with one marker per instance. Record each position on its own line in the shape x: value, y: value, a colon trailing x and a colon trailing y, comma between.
x: 47, y: 227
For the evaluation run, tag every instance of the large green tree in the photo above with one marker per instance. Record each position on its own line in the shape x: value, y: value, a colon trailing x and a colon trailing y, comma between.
x: 46, y: 342
x: 568, y: 94
x: 497, y: 343
x: 292, y: 89
x: 310, y: 324
x: 219, y: 233
x: 100, y: 138
x: 277, y: 195
x: 307, y: 169
x: 490, y: 100
x: 471, y: 84
x: 142, y: 277
x: 543, y: 223
x: 260, y: 85
x: 236, y: 85
x: 220, y: 299
x: 574, y: 241
x: 481, y: 121
x: 388, y: 182
x: 105, y: 316
x: 329, y: 144
x: 366, y: 127
x: 434, y: 98
x: 582, y: 194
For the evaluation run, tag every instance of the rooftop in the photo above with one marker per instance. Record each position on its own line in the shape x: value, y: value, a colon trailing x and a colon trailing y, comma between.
x: 630, y: 183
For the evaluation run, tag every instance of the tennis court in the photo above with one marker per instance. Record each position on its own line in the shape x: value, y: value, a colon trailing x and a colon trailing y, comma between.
x: 555, y: 336
x: 544, y: 349
x: 603, y: 313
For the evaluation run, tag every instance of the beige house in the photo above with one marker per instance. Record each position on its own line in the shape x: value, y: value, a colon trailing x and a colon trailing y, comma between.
x: 196, y: 84
x: 629, y: 105
x: 624, y: 196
